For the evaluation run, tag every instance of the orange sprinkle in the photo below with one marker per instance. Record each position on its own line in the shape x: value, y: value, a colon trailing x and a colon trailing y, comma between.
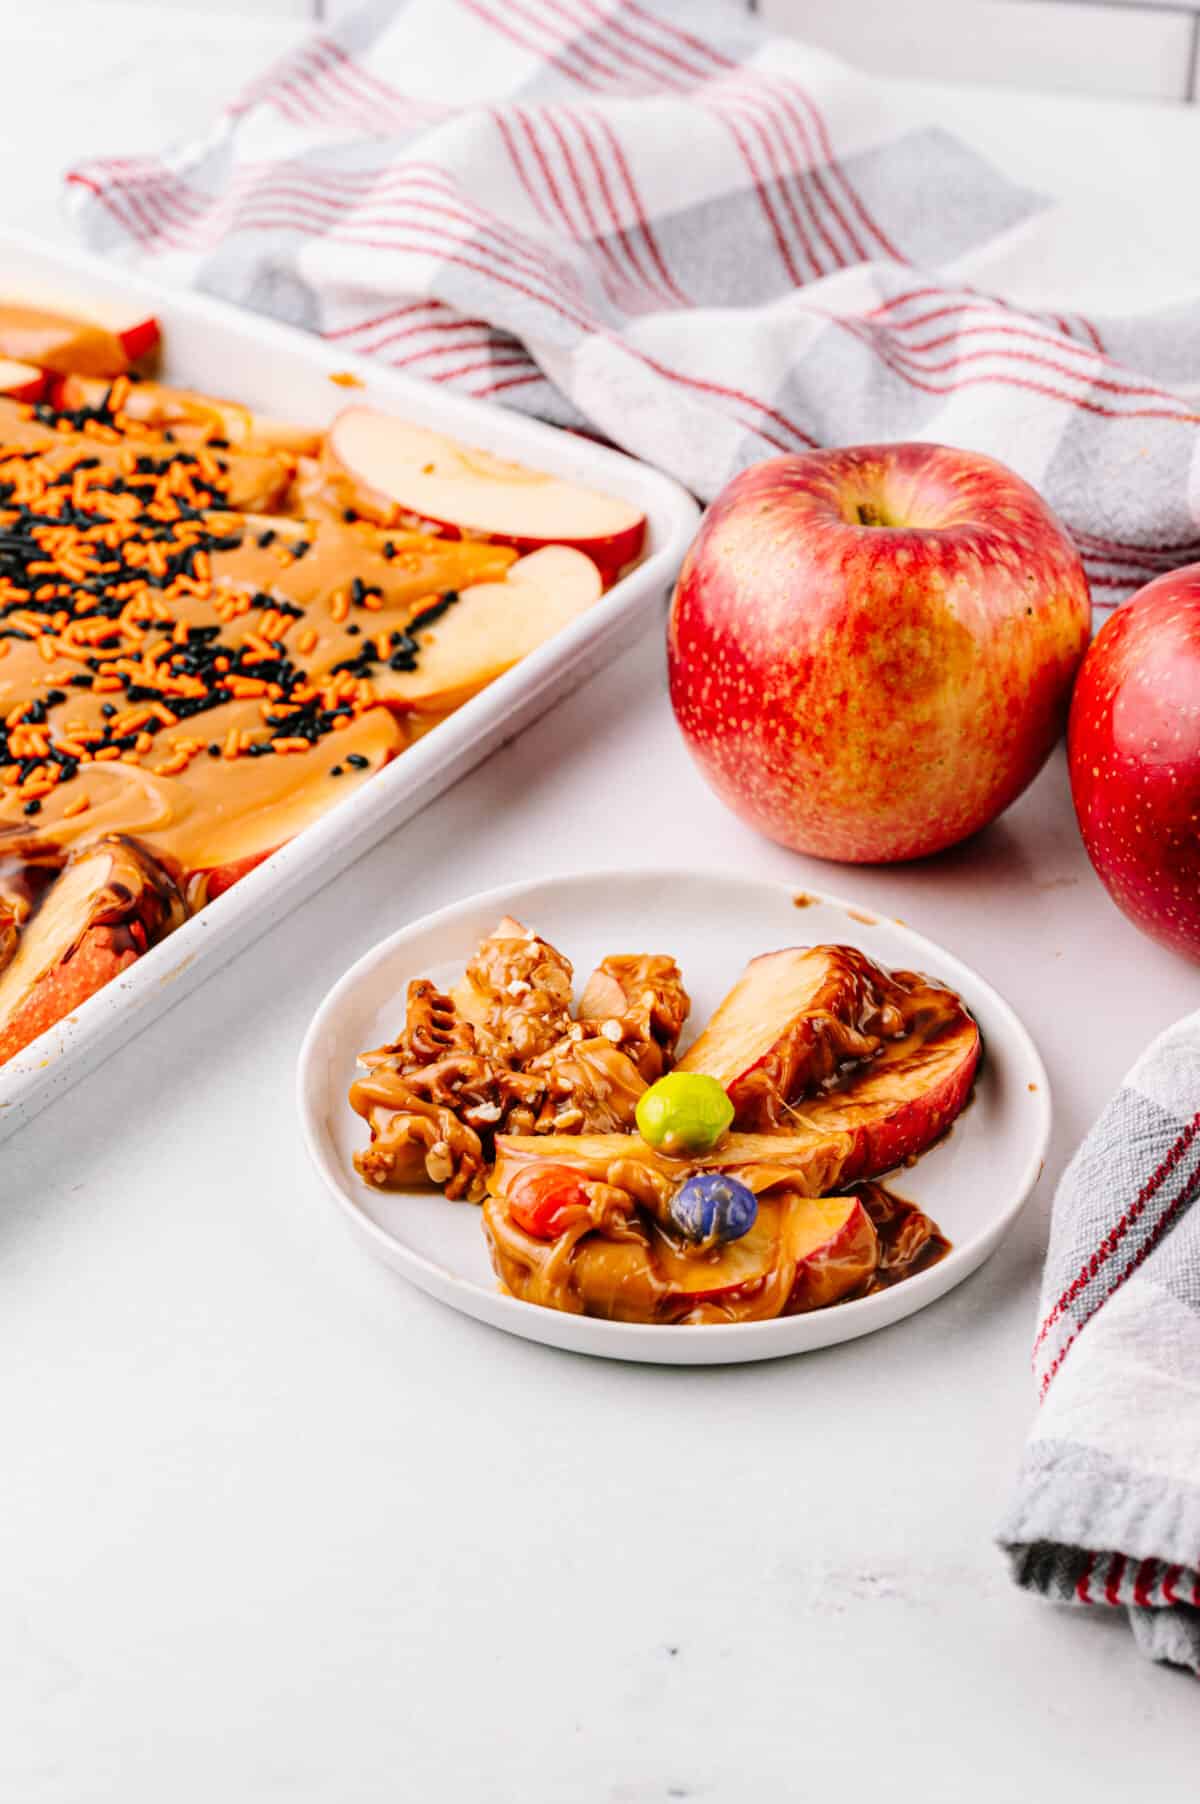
x: 78, y: 805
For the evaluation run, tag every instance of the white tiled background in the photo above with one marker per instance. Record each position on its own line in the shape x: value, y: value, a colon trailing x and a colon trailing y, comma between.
x: 1145, y: 49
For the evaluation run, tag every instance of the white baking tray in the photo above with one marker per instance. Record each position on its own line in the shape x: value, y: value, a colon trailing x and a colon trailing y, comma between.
x: 287, y: 373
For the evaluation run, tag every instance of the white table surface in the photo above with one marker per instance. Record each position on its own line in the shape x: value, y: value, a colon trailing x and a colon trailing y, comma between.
x: 275, y: 1526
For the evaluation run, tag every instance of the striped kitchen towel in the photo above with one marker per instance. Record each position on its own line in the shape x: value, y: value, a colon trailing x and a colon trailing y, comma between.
x: 1107, y: 1506
x: 656, y: 220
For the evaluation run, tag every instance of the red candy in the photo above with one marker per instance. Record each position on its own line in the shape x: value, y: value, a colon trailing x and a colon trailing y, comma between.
x: 543, y: 1200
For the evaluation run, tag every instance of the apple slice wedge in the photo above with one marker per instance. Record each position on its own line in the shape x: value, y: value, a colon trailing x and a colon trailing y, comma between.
x: 801, y: 1253
x: 459, y: 486
x: 790, y: 1023
x: 111, y: 902
x: 491, y: 627
x: 833, y: 1249
x: 21, y: 381
x: 823, y: 1040
x: 63, y: 342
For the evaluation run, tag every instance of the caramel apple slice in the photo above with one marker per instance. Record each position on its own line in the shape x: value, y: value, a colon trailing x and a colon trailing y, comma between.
x: 808, y: 1163
x: 251, y: 481
x: 110, y: 904
x: 213, y: 817
x: 895, y: 1107
x: 788, y: 1025
x: 185, y: 411
x: 823, y: 1040
x: 800, y: 1253
x: 227, y: 816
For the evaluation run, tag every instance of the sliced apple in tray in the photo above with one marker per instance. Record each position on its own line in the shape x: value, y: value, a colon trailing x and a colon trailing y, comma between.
x: 180, y: 409
x: 106, y: 345
x: 110, y: 903
x: 409, y: 467
x: 490, y: 627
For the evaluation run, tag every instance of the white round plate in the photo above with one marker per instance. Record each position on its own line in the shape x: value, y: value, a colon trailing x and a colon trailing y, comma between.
x: 973, y: 1183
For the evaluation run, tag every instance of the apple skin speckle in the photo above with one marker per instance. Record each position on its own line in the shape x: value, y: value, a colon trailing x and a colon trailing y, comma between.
x: 1134, y: 751
x: 871, y: 650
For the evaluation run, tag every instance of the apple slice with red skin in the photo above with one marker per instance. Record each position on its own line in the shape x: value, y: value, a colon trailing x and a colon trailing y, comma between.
x: 21, y: 381
x: 801, y: 1253
x: 62, y: 342
x: 397, y: 465
x: 901, y: 1103
x: 263, y: 803
x: 824, y: 1038
x: 112, y: 901
x: 491, y: 627
x: 792, y: 1020
x: 833, y: 1242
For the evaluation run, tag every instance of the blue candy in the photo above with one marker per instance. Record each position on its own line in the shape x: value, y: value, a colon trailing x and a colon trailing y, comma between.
x: 711, y: 1208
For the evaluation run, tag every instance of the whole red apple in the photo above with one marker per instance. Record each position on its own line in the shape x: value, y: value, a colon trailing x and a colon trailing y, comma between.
x: 1134, y: 749
x: 871, y: 649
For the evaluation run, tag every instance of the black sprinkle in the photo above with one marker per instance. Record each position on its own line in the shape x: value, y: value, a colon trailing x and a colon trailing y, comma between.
x: 429, y: 615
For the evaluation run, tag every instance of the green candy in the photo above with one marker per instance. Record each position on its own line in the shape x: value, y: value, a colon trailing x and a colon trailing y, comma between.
x: 684, y: 1113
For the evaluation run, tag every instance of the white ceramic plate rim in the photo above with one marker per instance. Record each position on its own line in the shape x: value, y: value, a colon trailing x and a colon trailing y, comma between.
x: 714, y: 1343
